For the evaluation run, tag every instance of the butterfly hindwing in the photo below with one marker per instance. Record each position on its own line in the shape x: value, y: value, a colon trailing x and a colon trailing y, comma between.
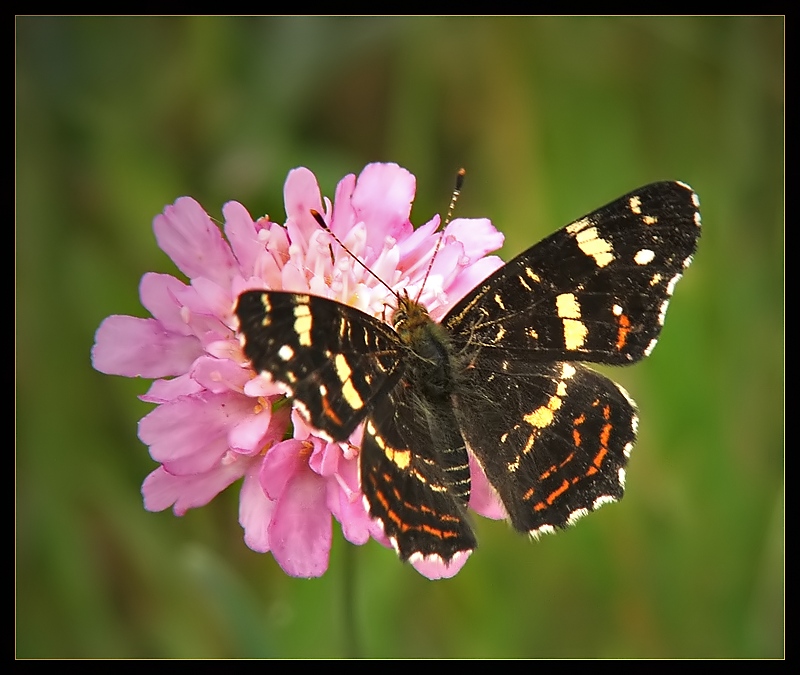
x: 414, y: 472
x: 553, y: 440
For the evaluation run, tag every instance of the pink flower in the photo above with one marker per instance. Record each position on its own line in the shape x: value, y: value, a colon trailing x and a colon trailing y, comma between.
x: 215, y: 421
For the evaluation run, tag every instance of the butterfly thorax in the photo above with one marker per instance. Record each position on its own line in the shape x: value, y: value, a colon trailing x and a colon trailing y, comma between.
x: 428, y: 341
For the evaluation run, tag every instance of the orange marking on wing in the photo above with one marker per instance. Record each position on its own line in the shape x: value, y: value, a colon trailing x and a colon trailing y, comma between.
x: 546, y: 473
x: 555, y: 494
x: 391, y: 514
x: 441, y: 534
x: 622, y: 332
x: 328, y: 411
x: 598, y: 458
x: 576, y: 435
x: 604, y: 436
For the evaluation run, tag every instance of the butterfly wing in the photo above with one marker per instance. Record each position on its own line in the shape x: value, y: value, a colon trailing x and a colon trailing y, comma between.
x: 343, y: 366
x: 333, y: 359
x: 415, y: 476
x: 553, y: 436
x: 553, y: 440
x: 596, y: 290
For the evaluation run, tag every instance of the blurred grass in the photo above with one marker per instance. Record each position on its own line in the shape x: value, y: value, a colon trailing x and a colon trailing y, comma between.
x: 552, y: 117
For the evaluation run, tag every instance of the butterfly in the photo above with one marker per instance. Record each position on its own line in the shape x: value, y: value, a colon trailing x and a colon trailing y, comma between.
x: 501, y: 377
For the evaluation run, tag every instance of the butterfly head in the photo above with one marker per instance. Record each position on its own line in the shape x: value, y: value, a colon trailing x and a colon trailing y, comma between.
x: 409, y: 317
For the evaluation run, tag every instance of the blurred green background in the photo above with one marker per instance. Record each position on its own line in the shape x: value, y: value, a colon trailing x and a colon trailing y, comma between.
x: 552, y: 117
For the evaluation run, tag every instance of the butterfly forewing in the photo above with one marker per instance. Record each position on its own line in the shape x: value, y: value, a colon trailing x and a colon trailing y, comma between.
x: 597, y: 290
x: 333, y: 359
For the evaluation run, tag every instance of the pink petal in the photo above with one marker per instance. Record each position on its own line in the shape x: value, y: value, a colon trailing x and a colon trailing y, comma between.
x: 202, y: 305
x: 343, y: 217
x: 240, y: 231
x: 435, y: 568
x: 300, y: 195
x: 188, y: 236
x: 416, y: 249
x: 276, y: 251
x: 325, y: 458
x: 162, y: 391
x: 300, y: 533
x: 349, y: 510
x: 127, y: 345
x: 448, y: 263
x: 250, y: 435
x: 468, y: 278
x: 262, y: 386
x: 219, y: 375
x: 482, y: 498
x: 158, y: 295
x: 477, y: 235
x: 382, y: 198
x: 293, y: 279
x: 162, y: 489
x: 190, y: 435
x: 255, y: 513
x: 281, y: 462
x: 215, y: 303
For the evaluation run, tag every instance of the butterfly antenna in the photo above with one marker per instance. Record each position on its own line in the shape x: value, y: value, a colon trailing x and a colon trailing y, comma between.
x: 456, y: 194
x: 321, y: 222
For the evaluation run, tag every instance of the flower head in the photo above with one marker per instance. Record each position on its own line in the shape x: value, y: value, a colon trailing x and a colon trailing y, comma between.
x: 215, y: 421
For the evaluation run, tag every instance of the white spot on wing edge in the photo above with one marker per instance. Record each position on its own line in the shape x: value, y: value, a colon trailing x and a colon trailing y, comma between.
x: 627, y: 396
x: 673, y: 282
x: 604, y: 499
x: 695, y: 198
x: 627, y: 450
x: 662, y: 313
x: 539, y: 531
x: 576, y: 515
